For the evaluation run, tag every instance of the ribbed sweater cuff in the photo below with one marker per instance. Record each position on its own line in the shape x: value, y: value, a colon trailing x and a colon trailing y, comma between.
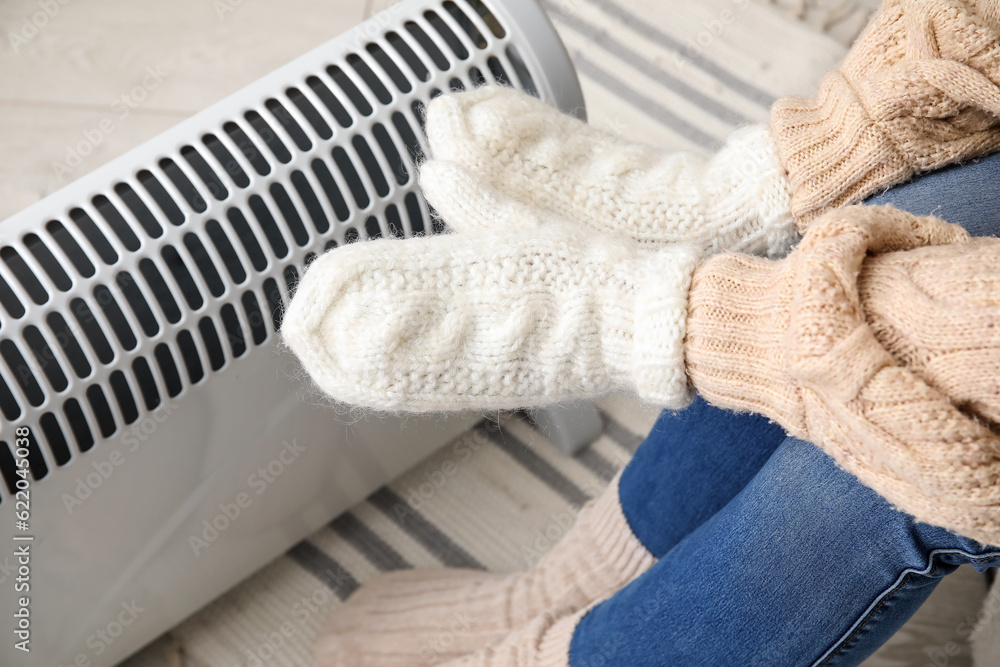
x: 620, y: 549
x: 834, y: 153
x: 554, y: 647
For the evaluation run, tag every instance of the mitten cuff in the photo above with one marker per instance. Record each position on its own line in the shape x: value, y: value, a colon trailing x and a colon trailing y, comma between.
x: 832, y: 150
x: 660, y: 324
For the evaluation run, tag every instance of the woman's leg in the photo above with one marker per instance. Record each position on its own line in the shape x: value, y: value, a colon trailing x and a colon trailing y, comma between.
x: 689, y: 467
x: 965, y: 194
x: 806, y: 566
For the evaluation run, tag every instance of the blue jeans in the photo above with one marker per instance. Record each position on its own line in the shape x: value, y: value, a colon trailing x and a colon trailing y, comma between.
x: 769, y: 554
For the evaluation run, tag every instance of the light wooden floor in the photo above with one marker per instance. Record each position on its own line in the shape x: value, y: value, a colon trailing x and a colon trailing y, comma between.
x: 91, y: 62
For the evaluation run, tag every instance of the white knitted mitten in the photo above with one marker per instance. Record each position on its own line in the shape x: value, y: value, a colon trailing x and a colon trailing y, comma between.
x: 494, y: 320
x: 546, y: 160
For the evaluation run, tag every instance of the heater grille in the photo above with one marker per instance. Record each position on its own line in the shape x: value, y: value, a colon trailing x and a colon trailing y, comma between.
x: 183, y: 268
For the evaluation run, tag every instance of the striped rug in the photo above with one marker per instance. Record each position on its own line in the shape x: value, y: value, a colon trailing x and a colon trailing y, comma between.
x: 678, y: 74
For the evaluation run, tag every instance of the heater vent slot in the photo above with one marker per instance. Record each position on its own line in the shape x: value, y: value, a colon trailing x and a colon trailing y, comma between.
x: 270, y: 139
x: 331, y: 190
x: 247, y: 239
x: 226, y: 159
x: 8, y: 405
x: 102, y: 411
x: 254, y: 316
x: 22, y: 373
x: 206, y: 267
x: 94, y: 236
x: 55, y: 438
x: 494, y: 24
x: 116, y: 222
x: 410, y: 140
x: 115, y: 316
x: 147, y: 383
x: 275, y: 306
x: 179, y: 270
x: 8, y: 468
x: 290, y: 215
x: 409, y: 56
x: 428, y: 45
x: 140, y: 308
x: 313, y: 116
x: 184, y: 185
x: 291, y: 279
x: 371, y: 165
x: 331, y: 102
x: 213, y: 346
x: 189, y: 353
x: 308, y: 197
x: 168, y: 369
x: 415, y: 214
x: 371, y: 79
x: 234, y: 330
x: 450, y: 38
x: 270, y: 228
x: 226, y: 251
x: 499, y: 73
x: 70, y: 347
x: 78, y: 424
x: 139, y: 209
x: 71, y: 248
x: 346, y: 84
x: 350, y: 174
x: 387, y: 64
x: 394, y: 221
x: 158, y: 286
x: 45, y: 358
x: 466, y: 24
x: 162, y: 198
x: 288, y: 123
x: 91, y: 329
x: 247, y: 147
x: 477, y: 77
x: 36, y: 461
x: 48, y: 262
x: 124, y: 397
x: 205, y: 172
x: 36, y: 292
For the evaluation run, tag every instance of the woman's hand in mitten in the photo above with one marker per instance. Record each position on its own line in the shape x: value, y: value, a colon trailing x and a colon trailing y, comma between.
x: 523, y: 316
x: 937, y: 311
x: 791, y: 340
x: 917, y: 91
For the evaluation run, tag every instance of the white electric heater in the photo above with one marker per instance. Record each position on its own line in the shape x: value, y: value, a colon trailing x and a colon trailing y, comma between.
x: 167, y: 443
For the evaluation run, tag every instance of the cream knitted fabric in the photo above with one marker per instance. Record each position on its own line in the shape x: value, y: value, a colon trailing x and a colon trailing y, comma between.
x: 937, y: 311
x: 494, y: 320
x: 427, y: 617
x: 550, y: 161
x: 788, y: 339
x: 918, y: 90
x: 544, y: 642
